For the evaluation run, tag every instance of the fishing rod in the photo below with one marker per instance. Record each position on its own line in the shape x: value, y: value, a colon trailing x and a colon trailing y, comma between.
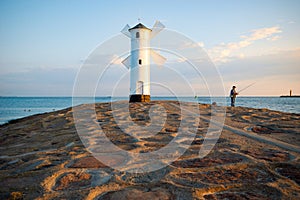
x: 246, y: 87
x: 238, y: 91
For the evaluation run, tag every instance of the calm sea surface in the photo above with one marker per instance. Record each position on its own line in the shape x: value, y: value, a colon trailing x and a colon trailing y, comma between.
x: 18, y: 107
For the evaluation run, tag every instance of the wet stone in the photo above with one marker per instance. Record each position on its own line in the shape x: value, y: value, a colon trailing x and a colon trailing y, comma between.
x: 147, y: 177
x: 209, y: 161
x: 138, y: 194
x: 34, y: 165
x: 270, y: 155
x: 289, y: 171
x: 262, y: 192
x: 99, y: 177
x: 73, y: 181
x: 232, y: 176
x: 87, y: 162
x: 262, y: 130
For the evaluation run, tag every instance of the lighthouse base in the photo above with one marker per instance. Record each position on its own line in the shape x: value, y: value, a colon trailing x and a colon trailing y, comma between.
x: 139, y: 98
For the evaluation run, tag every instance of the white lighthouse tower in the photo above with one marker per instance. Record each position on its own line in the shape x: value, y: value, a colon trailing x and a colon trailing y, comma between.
x: 138, y: 62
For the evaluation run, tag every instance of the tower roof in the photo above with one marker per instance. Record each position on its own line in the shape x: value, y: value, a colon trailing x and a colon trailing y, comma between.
x: 139, y: 25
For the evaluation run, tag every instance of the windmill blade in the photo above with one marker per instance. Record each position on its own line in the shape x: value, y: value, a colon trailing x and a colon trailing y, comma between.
x: 157, y: 28
x: 157, y: 58
x: 126, y: 62
x: 125, y: 31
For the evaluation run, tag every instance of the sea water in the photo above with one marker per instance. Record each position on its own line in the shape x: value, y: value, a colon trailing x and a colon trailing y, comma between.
x: 18, y: 107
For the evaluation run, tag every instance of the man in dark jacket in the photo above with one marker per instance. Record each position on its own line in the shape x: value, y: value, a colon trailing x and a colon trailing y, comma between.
x: 233, y: 94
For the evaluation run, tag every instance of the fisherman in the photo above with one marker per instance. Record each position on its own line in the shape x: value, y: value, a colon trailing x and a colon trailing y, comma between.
x: 233, y: 94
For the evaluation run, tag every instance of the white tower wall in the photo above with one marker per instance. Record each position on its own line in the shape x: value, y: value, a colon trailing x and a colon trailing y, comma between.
x: 140, y: 61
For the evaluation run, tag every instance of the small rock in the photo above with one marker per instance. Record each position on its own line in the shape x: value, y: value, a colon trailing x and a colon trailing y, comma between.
x: 87, y: 162
x: 16, y: 195
x: 13, y: 161
x: 73, y: 180
x: 261, y: 130
x: 138, y: 194
x: 70, y: 144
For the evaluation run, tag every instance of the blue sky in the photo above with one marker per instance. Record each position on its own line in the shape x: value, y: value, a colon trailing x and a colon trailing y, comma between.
x: 43, y: 43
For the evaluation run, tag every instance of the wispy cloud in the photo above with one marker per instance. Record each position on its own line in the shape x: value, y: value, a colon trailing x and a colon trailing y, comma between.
x: 190, y: 44
x: 223, y: 52
x: 276, y: 37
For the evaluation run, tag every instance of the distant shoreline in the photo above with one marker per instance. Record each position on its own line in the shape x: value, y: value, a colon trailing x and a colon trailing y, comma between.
x: 287, y: 96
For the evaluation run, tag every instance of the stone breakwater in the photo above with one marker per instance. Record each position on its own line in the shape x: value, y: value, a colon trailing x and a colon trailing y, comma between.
x: 256, y: 157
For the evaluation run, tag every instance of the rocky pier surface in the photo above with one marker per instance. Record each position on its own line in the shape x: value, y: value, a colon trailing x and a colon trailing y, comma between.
x: 255, y: 157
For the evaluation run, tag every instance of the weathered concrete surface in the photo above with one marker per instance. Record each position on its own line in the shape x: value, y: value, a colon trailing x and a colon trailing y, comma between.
x: 42, y: 157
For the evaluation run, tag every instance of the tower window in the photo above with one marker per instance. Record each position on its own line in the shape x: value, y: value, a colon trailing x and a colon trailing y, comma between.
x: 137, y: 34
x: 140, y: 61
